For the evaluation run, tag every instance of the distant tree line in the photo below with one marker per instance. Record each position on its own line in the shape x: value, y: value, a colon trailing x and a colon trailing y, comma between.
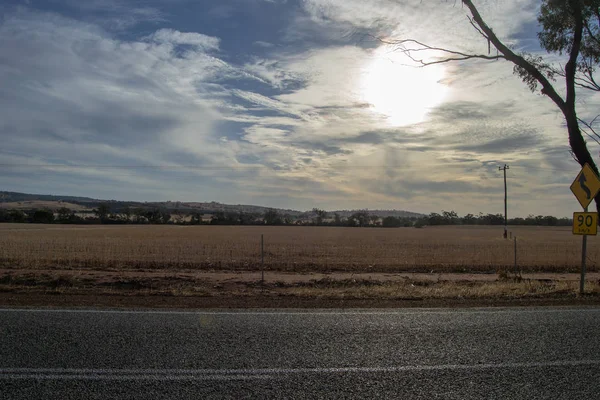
x: 451, y: 218
x: 103, y: 214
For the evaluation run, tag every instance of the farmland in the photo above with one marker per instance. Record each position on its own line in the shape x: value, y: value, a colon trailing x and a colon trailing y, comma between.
x: 290, y: 249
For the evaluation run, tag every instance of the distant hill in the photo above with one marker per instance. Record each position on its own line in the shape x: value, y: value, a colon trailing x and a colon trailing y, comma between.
x: 6, y: 197
x: 26, y: 201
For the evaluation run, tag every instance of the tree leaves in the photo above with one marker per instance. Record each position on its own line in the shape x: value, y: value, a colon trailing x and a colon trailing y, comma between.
x: 541, y: 65
x: 558, y: 19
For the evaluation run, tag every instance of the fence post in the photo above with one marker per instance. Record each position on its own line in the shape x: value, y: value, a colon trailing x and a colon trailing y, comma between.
x: 262, y: 258
x: 516, y: 268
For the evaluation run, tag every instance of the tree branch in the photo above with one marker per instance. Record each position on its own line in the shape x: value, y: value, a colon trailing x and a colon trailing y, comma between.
x: 590, y: 136
x: 586, y: 25
x: 454, y: 55
x: 578, y: 83
x: 590, y: 127
x: 585, y: 79
x: 477, y: 28
x: 516, y: 59
x: 589, y: 73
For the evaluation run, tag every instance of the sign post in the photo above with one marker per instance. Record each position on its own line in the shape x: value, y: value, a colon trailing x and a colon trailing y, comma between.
x: 585, y: 188
x: 583, y: 266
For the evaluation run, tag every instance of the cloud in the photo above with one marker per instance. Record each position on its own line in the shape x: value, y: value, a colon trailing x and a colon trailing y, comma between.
x: 77, y: 94
x: 272, y: 73
x: 503, y: 146
x: 289, y: 125
x: 262, y: 43
x: 198, y: 40
x: 269, y: 103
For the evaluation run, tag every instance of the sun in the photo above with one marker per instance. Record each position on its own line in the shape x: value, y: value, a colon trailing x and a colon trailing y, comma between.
x: 401, y: 93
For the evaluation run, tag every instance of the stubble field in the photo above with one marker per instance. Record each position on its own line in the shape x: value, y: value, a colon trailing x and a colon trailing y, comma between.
x: 293, y: 249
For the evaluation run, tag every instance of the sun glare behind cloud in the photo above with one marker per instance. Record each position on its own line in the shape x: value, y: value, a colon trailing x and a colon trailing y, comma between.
x: 402, y: 93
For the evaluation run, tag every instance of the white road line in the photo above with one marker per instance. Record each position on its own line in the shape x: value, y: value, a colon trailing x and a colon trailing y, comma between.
x: 260, y: 373
x: 516, y: 310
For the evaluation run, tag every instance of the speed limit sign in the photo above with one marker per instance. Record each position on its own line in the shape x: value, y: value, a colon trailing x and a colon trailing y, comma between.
x: 585, y: 223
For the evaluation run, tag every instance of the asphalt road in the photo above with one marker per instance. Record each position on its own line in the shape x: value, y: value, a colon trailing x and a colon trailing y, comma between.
x: 407, y: 354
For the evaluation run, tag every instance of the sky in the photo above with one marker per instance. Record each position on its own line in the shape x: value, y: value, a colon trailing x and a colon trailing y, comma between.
x: 280, y: 103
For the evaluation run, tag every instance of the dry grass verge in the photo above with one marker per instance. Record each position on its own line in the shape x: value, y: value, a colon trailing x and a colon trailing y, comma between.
x: 410, y: 289
x: 326, y: 288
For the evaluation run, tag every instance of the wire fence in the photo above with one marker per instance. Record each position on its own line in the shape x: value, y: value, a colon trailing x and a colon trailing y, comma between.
x: 293, y: 249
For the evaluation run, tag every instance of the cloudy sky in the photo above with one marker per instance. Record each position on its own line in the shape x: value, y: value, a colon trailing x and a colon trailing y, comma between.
x: 283, y: 103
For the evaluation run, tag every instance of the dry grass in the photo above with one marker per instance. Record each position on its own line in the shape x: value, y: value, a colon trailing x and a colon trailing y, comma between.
x: 413, y: 290
x: 324, y: 289
x: 438, y: 249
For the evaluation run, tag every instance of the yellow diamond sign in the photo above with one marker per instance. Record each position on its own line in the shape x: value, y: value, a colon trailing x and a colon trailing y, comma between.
x: 586, y: 186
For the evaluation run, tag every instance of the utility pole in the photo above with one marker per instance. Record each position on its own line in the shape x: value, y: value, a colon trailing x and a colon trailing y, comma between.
x: 505, y: 201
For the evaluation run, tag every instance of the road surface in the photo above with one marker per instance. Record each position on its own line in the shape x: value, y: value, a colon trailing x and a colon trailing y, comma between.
x: 408, y: 354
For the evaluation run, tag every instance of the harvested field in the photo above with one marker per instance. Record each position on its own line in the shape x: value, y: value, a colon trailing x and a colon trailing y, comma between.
x: 299, y: 249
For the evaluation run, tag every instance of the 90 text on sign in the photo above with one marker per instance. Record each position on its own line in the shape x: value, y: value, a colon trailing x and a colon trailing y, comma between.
x: 585, y: 223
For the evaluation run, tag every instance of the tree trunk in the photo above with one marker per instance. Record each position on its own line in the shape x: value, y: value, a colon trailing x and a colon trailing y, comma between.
x: 579, y: 146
